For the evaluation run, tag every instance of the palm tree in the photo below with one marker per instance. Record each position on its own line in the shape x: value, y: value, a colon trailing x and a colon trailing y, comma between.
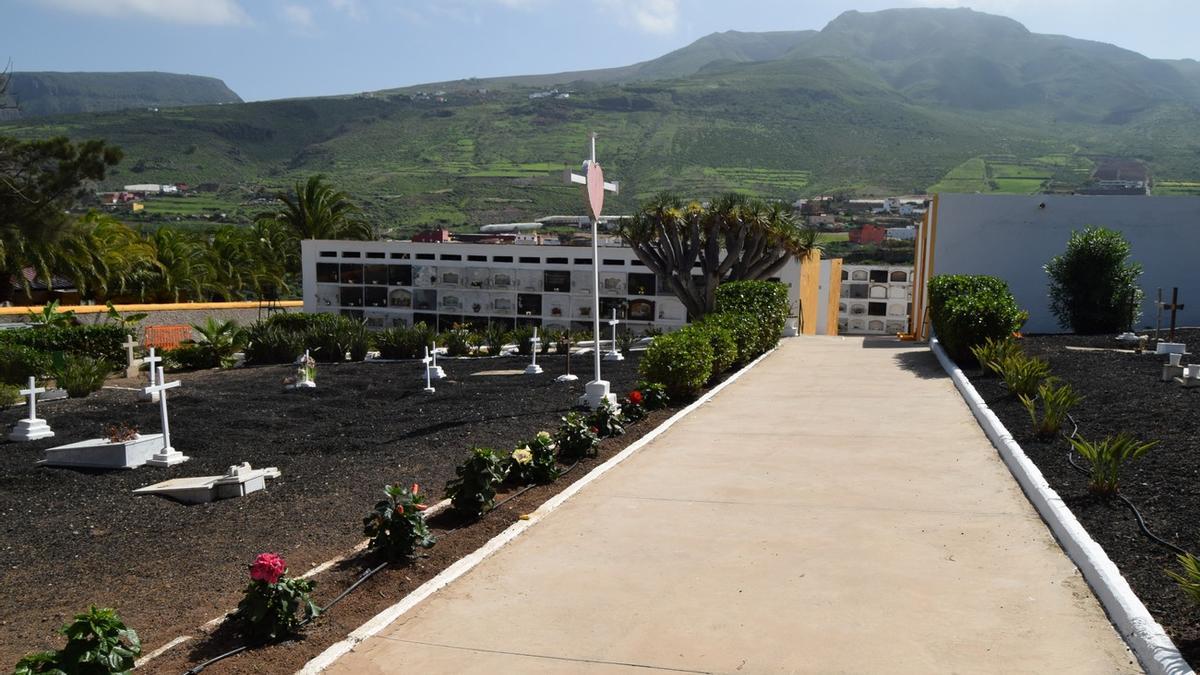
x: 317, y: 211
x: 180, y: 267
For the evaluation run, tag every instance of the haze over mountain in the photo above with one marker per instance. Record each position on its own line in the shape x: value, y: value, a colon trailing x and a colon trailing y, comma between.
x: 49, y: 93
x: 874, y: 103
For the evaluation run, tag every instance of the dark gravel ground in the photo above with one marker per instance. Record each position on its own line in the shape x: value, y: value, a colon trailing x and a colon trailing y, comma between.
x: 73, y: 538
x: 1124, y: 393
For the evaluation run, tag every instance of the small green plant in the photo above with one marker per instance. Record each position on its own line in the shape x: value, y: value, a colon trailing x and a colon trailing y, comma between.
x: 51, y: 317
x: 994, y: 351
x: 576, y: 438
x: 127, y: 322
x: 1057, y: 400
x: 633, y: 408
x: 396, y: 527
x: 79, y: 375
x: 521, y: 337
x: 681, y: 361
x: 1106, y: 458
x: 456, y: 340
x: 606, y: 420
x: 551, y: 338
x: 473, y: 492
x: 534, y: 461
x: 98, y: 643
x: 1022, y: 374
x: 654, y: 395
x: 625, y: 339
x: 1189, y: 578
x: 10, y: 394
x: 219, y: 340
x: 271, y: 608
x: 495, y: 336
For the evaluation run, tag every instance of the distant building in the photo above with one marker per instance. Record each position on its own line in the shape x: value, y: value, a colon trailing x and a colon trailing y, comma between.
x: 826, y: 219
x: 901, y: 233
x: 144, y: 188
x: 868, y: 234
x: 439, y: 235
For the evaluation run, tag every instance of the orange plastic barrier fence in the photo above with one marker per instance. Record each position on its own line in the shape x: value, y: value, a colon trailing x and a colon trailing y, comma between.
x: 166, y: 337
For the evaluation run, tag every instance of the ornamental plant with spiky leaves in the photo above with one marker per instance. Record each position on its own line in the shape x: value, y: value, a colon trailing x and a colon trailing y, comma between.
x: 273, y: 603
x: 1106, y: 458
x: 993, y: 352
x: 1189, y: 578
x: 1057, y: 400
x: 397, y: 526
x: 1022, y: 374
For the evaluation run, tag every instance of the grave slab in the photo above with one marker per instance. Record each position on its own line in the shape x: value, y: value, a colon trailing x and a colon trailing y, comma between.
x: 101, y: 453
x: 238, y: 481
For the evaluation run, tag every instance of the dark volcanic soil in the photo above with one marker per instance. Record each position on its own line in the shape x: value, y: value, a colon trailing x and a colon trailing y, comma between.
x: 1124, y: 393
x: 73, y: 538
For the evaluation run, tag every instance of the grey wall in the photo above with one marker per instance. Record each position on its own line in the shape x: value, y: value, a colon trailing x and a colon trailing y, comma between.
x: 1010, y: 237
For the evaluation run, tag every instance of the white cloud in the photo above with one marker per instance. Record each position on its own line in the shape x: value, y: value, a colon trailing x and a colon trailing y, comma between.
x: 201, y: 12
x: 650, y: 16
x: 299, y: 16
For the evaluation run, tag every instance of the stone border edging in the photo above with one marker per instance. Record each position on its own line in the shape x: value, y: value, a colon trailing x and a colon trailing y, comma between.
x: 380, y: 621
x: 1154, y: 649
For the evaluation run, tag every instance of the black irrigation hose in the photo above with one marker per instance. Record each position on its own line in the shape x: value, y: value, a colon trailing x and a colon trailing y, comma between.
x: 1136, y: 514
x: 366, y: 575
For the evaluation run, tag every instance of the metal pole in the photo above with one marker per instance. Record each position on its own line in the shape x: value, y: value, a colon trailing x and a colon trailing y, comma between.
x: 595, y: 285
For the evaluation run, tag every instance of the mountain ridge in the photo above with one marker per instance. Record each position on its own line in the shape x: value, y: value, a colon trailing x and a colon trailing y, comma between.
x: 67, y: 92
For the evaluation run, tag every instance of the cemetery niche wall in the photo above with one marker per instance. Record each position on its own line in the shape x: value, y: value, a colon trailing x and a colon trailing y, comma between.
x: 1013, y: 236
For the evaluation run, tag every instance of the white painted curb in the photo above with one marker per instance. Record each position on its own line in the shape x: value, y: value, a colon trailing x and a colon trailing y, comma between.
x: 1155, y: 651
x: 380, y: 621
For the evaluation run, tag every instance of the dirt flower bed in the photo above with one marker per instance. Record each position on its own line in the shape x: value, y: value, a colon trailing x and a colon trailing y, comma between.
x: 1123, y: 393
x: 73, y: 538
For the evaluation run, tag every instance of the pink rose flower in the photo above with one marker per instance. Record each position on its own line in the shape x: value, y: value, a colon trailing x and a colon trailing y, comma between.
x: 268, y: 568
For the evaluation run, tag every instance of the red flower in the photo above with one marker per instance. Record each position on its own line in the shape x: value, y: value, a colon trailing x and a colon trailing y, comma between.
x: 416, y: 488
x: 635, y: 397
x: 594, y: 430
x: 267, y: 567
x: 420, y: 507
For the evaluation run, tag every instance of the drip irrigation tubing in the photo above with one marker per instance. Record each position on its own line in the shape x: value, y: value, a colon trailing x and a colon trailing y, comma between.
x: 362, y: 579
x: 1125, y: 500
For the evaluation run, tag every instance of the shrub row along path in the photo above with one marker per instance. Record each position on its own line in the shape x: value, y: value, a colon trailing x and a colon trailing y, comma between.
x: 837, y: 509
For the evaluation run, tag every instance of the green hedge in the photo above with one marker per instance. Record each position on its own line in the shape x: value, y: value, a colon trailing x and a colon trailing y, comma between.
x: 724, y: 346
x: 404, y: 342
x: 745, y: 328
x: 96, y: 341
x: 283, y: 337
x: 766, y: 301
x: 681, y: 361
x: 18, y: 363
x: 966, y: 310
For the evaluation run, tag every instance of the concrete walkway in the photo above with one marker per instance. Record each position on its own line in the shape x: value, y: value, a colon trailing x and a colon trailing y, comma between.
x: 836, y: 510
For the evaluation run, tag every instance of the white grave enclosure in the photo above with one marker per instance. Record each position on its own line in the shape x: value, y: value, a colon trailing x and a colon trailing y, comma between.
x: 31, y: 428
x: 1013, y: 236
x: 238, y: 481
x: 101, y: 453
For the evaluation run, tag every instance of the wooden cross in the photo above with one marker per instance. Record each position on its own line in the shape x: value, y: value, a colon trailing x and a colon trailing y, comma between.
x: 32, y: 393
x: 161, y: 389
x: 1175, y: 306
x: 131, y: 364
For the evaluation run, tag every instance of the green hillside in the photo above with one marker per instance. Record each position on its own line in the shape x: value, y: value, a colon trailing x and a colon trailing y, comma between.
x: 57, y: 93
x: 883, y: 103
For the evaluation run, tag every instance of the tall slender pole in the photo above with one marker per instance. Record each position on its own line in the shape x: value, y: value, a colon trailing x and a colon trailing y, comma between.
x: 162, y: 408
x: 595, y: 282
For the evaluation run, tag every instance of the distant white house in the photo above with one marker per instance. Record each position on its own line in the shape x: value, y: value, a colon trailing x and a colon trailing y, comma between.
x: 144, y: 187
x: 901, y: 233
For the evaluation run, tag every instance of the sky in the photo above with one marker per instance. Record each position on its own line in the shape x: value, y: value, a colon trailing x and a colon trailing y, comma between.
x: 266, y: 49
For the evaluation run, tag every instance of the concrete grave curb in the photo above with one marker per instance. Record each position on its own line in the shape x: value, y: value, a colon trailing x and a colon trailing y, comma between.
x: 1154, y: 649
x: 380, y: 621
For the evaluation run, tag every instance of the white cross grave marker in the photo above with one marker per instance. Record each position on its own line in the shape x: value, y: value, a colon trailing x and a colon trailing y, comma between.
x: 427, y: 361
x: 31, y: 428
x: 613, y: 354
x: 436, y: 371
x: 533, y: 368
x: 145, y: 394
x: 131, y: 364
x: 167, y: 456
x: 597, y: 390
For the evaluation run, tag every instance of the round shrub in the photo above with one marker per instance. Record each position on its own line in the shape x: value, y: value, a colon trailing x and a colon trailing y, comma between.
x: 1093, y: 289
x: 18, y: 363
x: 725, y: 348
x: 681, y: 361
x: 745, y: 328
x: 765, y: 300
x: 80, y: 375
x: 966, y: 310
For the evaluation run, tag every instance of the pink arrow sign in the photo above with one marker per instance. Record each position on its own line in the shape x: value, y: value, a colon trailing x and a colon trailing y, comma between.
x: 595, y: 188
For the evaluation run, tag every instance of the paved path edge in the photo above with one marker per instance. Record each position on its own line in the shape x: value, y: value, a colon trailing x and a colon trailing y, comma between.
x: 463, y: 565
x: 1155, y: 651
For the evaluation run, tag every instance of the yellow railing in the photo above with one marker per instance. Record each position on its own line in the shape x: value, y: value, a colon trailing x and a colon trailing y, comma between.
x: 156, y: 307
